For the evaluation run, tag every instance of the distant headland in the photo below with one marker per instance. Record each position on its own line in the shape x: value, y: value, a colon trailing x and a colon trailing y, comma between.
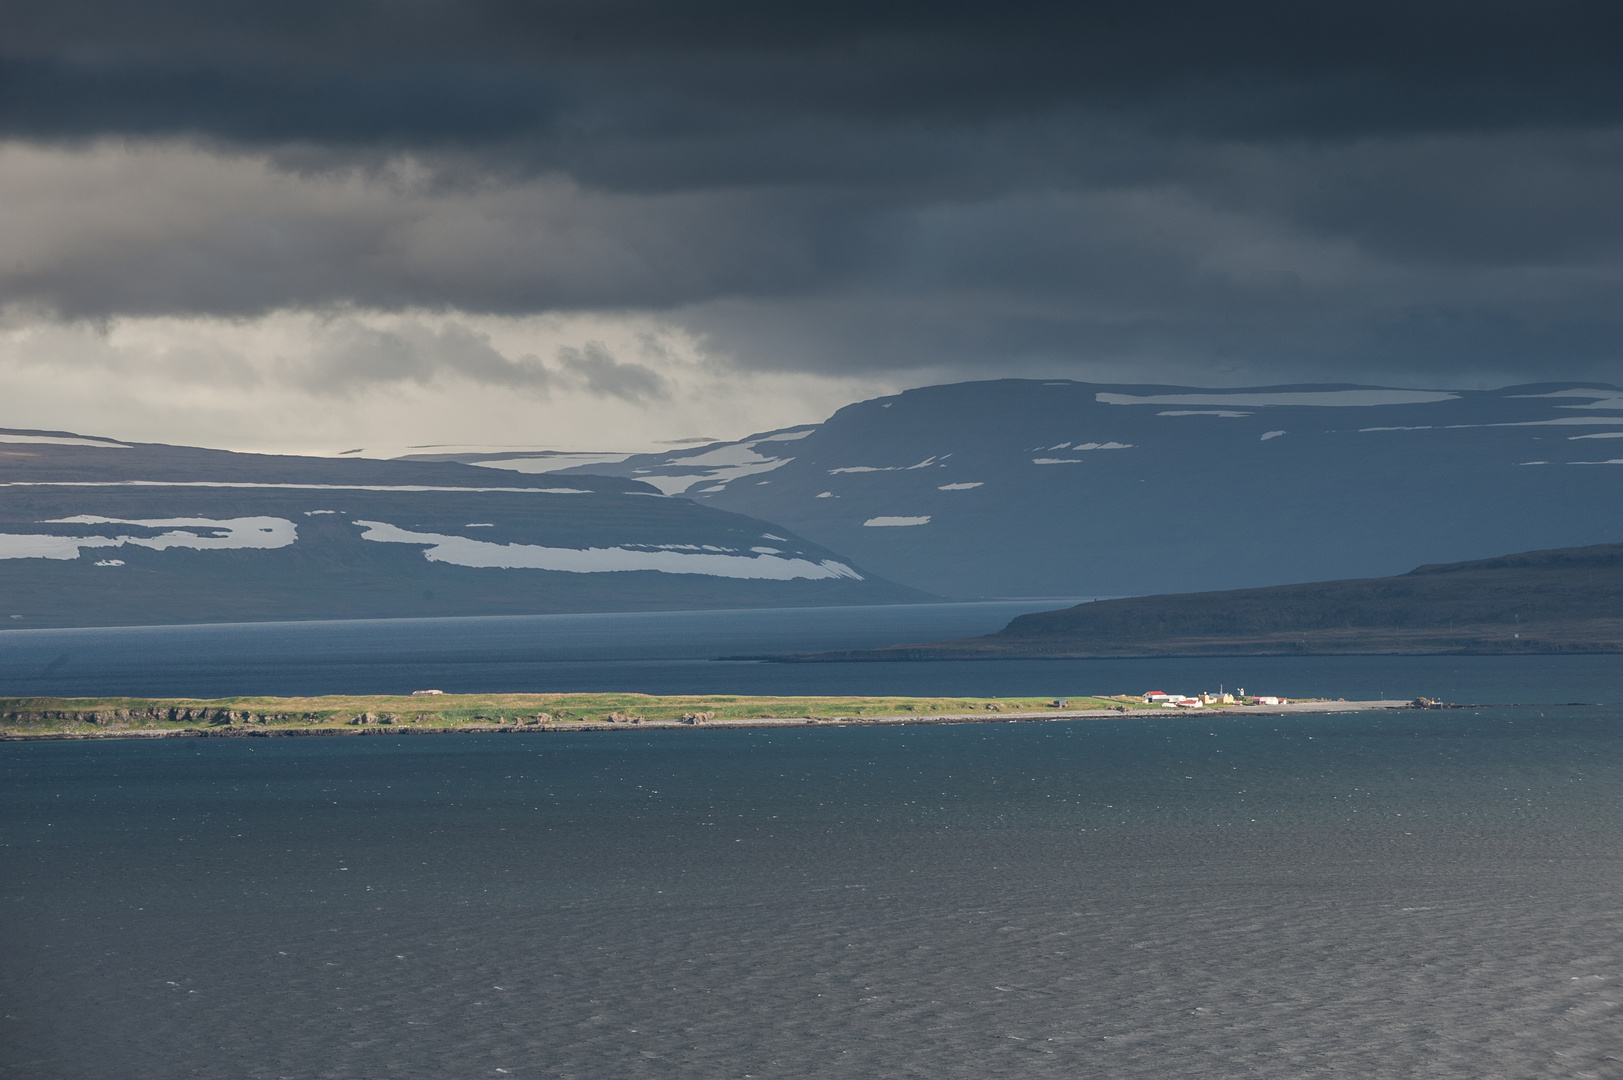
x: 1567, y: 600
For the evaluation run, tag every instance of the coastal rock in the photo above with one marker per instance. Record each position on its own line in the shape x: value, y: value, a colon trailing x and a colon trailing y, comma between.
x: 697, y: 717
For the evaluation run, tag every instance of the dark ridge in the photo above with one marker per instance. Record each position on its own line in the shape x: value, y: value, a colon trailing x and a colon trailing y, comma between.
x: 1567, y: 600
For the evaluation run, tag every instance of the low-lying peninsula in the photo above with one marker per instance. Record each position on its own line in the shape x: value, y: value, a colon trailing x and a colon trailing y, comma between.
x: 419, y: 713
x: 1567, y: 600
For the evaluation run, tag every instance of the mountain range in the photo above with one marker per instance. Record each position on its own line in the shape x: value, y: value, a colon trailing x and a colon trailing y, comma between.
x: 1070, y: 489
x: 98, y: 532
x: 1006, y: 488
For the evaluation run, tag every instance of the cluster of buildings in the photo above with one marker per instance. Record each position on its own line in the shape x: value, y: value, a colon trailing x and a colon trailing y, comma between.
x: 1200, y: 701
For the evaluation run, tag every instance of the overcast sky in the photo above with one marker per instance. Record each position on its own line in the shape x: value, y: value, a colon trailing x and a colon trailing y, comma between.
x: 324, y: 224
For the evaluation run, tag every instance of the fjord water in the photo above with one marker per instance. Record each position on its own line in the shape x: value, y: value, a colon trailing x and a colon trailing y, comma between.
x: 1386, y: 893
x: 674, y: 652
x: 1389, y: 893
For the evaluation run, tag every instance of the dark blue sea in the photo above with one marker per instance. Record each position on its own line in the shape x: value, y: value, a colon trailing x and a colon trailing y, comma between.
x: 1380, y: 894
x: 675, y: 653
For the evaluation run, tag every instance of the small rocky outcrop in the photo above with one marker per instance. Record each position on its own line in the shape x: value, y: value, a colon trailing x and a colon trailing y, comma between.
x: 697, y: 717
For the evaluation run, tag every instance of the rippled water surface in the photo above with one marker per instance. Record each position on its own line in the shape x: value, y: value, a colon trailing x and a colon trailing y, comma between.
x: 1433, y: 894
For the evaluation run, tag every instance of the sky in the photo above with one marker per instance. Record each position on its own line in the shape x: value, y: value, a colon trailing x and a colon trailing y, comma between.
x: 318, y: 225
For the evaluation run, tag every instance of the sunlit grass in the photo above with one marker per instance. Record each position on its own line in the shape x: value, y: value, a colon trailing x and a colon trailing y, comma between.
x: 49, y: 715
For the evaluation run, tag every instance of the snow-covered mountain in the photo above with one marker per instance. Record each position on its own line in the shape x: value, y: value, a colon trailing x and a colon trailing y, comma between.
x: 1026, y: 488
x: 96, y: 532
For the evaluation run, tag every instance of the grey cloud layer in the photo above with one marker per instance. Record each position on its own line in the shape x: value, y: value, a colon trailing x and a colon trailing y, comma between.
x: 1323, y: 188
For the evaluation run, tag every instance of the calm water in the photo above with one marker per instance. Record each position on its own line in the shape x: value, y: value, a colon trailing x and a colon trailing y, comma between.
x: 673, y: 652
x: 1383, y: 894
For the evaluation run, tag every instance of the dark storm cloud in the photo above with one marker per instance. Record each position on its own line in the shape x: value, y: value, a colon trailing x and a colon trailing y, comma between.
x: 1324, y: 187
x: 588, y: 72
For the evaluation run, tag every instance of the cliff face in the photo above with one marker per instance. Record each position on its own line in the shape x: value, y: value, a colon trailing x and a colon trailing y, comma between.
x: 1568, y: 600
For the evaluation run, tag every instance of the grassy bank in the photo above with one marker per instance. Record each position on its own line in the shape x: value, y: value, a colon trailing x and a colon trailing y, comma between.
x: 350, y: 713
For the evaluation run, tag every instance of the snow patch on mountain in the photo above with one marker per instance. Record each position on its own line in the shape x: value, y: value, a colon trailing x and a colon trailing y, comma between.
x: 1336, y: 398
x: 718, y: 466
x: 60, y: 440
x: 925, y: 464
x: 462, y: 551
x: 291, y: 487
x: 1598, y: 399
x: 549, y: 462
x: 1560, y: 421
x: 263, y: 533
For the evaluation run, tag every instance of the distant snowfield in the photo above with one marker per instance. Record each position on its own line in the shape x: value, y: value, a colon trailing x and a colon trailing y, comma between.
x: 288, y: 487
x: 1599, y: 399
x: 263, y: 533
x: 955, y: 487
x: 462, y: 551
x: 1560, y: 421
x: 1342, y: 398
x: 61, y: 440
x: 680, y: 471
x: 925, y: 464
x: 550, y: 462
x: 1231, y: 413
x: 893, y: 522
x: 719, y: 466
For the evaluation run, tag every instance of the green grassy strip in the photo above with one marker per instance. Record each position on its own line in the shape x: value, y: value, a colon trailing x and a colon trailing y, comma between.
x: 54, y: 715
